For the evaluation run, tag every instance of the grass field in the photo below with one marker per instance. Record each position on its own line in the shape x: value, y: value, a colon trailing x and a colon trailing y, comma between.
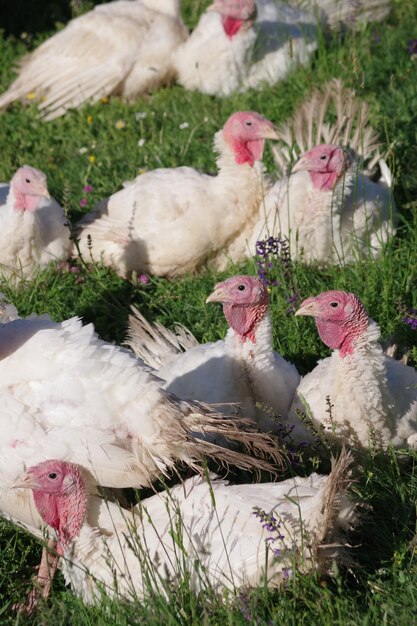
x: 376, y: 62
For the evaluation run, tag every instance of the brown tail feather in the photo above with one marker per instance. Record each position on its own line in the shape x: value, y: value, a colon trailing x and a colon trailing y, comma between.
x: 339, y: 514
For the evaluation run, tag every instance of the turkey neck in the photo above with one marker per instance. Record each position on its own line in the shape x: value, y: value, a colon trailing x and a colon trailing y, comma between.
x: 256, y: 359
x: 21, y: 202
x: 238, y: 156
x: 20, y: 228
x: 232, y: 25
x: 252, y: 342
x: 245, y: 320
x: 316, y: 215
x: 239, y: 188
x: 333, y: 187
x: 343, y: 336
x: 241, y: 184
x: 362, y: 373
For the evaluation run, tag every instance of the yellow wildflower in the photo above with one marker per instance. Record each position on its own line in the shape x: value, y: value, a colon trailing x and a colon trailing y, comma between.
x: 31, y: 95
x: 89, y: 119
x: 120, y: 124
x: 104, y: 99
x: 92, y: 159
x: 141, y: 171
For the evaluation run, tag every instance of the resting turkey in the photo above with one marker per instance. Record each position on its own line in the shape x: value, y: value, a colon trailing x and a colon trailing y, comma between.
x: 65, y: 393
x: 240, y: 44
x: 223, y: 536
x: 171, y: 221
x: 33, y: 226
x: 358, y: 394
x: 243, y: 368
x: 119, y: 48
x: 329, y: 209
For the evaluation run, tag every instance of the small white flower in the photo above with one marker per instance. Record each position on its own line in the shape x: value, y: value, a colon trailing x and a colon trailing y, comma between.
x: 206, y: 119
x: 141, y: 143
x: 82, y: 150
x: 184, y: 125
x: 140, y: 115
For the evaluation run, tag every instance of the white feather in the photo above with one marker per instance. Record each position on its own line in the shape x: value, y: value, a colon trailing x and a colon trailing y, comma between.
x: 211, y: 62
x: 66, y: 394
x: 356, y: 218
x: 352, y: 14
x: 211, y: 532
x: 246, y: 377
x: 372, y: 396
x: 123, y: 48
x: 171, y: 221
x: 29, y: 240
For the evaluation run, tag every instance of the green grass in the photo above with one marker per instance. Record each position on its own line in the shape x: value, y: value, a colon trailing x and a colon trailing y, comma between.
x: 382, y: 588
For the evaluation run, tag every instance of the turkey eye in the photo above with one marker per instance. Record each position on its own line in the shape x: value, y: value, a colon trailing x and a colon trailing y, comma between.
x: 324, y: 157
x: 52, y: 475
x: 241, y: 287
x: 248, y: 123
x: 27, y: 180
x: 334, y: 304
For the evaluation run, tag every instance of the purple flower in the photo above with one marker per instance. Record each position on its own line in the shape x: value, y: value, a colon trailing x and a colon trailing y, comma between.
x: 269, y: 527
x: 143, y: 279
x: 83, y: 202
x: 273, y: 257
x: 411, y: 322
x: 87, y: 188
x: 410, y: 318
x: 244, y: 605
x: 272, y: 524
x: 412, y: 47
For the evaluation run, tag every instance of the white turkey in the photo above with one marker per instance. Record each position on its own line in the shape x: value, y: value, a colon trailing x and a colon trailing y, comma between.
x: 358, y: 394
x: 171, y: 221
x: 119, y: 48
x: 33, y: 226
x: 329, y: 216
x: 223, y: 536
x: 65, y: 393
x: 329, y: 210
x: 242, y: 369
x: 231, y: 51
x: 352, y: 14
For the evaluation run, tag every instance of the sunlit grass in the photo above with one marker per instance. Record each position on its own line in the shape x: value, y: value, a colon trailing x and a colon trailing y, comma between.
x: 104, y: 145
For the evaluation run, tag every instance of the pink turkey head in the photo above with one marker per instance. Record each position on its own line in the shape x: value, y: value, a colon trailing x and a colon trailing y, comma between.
x: 29, y: 187
x: 340, y: 318
x: 325, y: 164
x: 236, y: 15
x: 60, y: 496
x: 245, y: 301
x: 245, y: 132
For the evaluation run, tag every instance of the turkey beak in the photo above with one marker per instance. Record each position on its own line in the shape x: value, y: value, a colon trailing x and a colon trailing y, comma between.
x: 42, y: 190
x: 218, y: 295
x: 26, y: 481
x: 270, y: 132
x: 308, y: 307
x: 301, y: 165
